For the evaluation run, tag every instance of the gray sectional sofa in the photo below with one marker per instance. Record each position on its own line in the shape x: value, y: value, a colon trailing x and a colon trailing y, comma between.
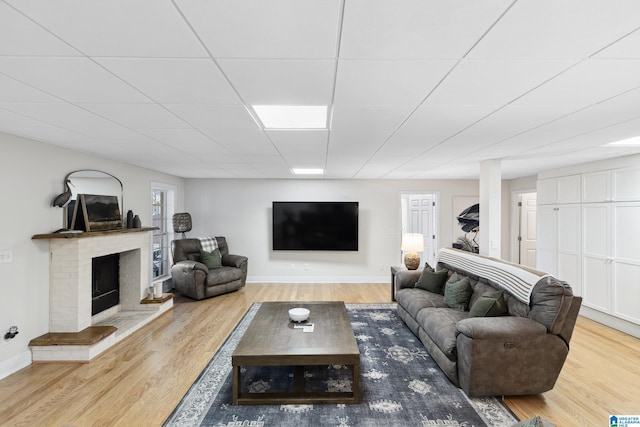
x: 517, y: 353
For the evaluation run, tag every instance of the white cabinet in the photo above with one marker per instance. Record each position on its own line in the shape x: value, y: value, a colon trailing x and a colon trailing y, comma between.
x: 617, y: 185
x: 558, y: 240
x: 596, y: 187
x: 596, y: 259
x: 626, y: 260
x: 564, y: 189
x: 588, y: 235
x: 611, y: 259
x: 626, y: 185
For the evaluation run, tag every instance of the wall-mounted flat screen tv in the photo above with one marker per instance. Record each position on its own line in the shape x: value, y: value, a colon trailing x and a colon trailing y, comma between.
x: 315, y: 226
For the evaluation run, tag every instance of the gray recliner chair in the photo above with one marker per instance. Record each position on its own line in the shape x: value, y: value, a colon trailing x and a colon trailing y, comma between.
x: 193, y: 279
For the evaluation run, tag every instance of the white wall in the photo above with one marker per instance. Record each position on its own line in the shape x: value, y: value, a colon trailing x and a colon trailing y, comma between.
x: 241, y: 211
x: 31, y: 174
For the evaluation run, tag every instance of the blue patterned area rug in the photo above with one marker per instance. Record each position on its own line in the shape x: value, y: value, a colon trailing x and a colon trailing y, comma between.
x: 400, y: 385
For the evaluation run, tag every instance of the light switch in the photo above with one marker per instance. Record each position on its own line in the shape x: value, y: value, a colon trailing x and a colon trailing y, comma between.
x: 6, y: 257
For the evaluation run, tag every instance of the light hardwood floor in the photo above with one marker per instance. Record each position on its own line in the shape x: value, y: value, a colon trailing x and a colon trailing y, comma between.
x: 139, y: 381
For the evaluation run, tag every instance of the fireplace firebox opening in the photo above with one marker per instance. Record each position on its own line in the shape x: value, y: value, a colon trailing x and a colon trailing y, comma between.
x: 105, y: 282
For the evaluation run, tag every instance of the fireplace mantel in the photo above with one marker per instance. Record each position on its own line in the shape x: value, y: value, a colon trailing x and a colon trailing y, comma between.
x: 83, y: 234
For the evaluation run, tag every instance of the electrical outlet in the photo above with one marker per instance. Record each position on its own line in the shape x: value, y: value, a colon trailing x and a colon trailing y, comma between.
x: 293, y: 266
x: 381, y: 267
x: 306, y: 266
x: 6, y: 257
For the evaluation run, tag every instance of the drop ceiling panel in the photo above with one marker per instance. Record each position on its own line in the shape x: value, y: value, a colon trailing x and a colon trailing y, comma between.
x: 72, y: 79
x: 66, y: 139
x: 628, y: 48
x: 348, y: 143
x: 281, y: 82
x: 138, y: 116
x: 365, y: 119
x: 558, y: 29
x: 493, y: 82
x: 590, y: 119
x: 27, y: 37
x: 387, y: 82
x: 174, y: 81
x: 207, y: 116
x: 189, y: 140
x: 301, y: 147
x: 415, y: 29
x: 115, y: 135
x: 587, y: 83
x: 61, y: 115
x: 520, y: 118
x: 114, y: 28
x: 14, y: 91
x: 260, y: 29
x: 432, y: 124
x: 10, y: 121
x: 242, y: 142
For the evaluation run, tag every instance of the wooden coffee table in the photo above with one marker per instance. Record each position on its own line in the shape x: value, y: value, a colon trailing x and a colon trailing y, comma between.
x: 271, y: 340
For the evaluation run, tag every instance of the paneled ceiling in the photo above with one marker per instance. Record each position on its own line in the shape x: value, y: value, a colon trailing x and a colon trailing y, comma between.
x: 416, y: 89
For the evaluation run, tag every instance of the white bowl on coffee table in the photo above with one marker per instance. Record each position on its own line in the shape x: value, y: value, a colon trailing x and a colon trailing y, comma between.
x: 299, y: 314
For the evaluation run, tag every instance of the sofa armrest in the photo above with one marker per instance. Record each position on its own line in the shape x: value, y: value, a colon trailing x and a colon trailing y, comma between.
x: 407, y: 278
x: 191, y: 265
x: 499, y: 327
x: 234, y: 260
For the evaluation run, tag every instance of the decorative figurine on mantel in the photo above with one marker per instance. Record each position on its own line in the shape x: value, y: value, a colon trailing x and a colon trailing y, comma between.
x: 130, y: 219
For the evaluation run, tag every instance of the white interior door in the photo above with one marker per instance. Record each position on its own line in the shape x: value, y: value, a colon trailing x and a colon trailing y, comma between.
x: 527, y: 236
x: 421, y: 219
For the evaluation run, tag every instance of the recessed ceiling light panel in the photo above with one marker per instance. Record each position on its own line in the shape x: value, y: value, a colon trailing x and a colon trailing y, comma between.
x: 307, y: 171
x: 629, y: 142
x: 292, y: 116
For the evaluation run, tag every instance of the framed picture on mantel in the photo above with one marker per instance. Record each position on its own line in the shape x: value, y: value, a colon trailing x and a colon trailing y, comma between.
x: 94, y: 212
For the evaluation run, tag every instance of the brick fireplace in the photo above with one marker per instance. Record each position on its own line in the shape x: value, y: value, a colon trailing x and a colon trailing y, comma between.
x: 71, y: 289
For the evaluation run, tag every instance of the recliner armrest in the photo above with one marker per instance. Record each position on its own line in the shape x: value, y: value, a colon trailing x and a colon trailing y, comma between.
x: 234, y: 260
x: 192, y: 265
x: 499, y: 327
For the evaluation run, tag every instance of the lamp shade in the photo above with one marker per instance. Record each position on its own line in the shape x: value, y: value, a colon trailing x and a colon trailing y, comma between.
x: 412, y: 242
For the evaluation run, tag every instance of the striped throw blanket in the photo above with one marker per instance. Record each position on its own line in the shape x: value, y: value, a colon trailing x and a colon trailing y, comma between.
x: 516, y: 280
x: 209, y: 244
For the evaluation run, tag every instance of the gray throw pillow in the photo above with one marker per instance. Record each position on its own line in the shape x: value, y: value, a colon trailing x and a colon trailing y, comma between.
x: 457, y: 294
x: 489, y: 305
x: 432, y: 281
x: 211, y: 259
x: 455, y: 277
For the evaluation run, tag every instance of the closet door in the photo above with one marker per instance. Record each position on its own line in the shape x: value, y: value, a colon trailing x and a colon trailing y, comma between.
x: 568, y: 232
x: 626, y: 261
x: 547, y: 250
x: 596, y: 265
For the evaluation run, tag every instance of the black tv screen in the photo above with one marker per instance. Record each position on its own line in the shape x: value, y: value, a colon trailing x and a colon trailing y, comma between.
x: 315, y: 226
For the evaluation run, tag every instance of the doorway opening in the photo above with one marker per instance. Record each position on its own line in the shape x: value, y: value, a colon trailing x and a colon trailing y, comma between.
x: 419, y: 215
x: 524, y: 244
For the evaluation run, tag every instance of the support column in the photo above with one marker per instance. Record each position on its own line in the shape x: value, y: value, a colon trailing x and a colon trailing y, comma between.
x: 490, y: 207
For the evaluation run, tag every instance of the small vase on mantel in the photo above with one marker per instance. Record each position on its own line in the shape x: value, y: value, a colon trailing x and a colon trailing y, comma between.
x: 130, y: 219
x: 136, y: 222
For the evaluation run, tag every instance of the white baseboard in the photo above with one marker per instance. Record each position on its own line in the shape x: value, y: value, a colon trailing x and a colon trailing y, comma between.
x: 318, y: 279
x: 14, y: 364
x: 611, y: 321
